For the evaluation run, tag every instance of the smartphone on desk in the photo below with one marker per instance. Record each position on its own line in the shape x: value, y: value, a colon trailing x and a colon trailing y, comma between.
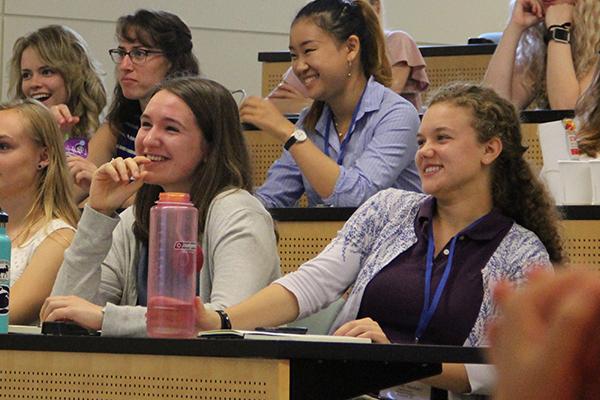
x: 298, y: 330
x: 63, y: 328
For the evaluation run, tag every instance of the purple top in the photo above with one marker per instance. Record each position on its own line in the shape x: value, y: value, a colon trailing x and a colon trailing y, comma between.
x: 398, y: 311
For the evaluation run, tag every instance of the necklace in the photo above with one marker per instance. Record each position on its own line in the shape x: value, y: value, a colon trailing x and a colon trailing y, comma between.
x: 337, y: 129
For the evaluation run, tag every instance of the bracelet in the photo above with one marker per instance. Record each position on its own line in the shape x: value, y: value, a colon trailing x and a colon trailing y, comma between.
x: 566, y: 25
x: 225, y: 321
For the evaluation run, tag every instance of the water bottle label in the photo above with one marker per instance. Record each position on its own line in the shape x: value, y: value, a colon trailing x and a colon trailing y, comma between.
x: 4, y: 292
x: 185, y: 246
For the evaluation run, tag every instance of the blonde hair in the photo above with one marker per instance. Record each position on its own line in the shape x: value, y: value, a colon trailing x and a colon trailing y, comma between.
x: 53, y: 196
x: 588, y: 111
x: 64, y: 50
x: 531, y: 52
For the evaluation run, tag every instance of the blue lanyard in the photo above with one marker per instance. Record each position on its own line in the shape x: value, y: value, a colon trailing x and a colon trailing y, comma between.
x: 429, y: 308
x: 348, y: 135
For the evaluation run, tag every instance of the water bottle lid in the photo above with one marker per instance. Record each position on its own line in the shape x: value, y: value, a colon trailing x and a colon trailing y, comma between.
x: 3, y: 217
x: 174, y: 197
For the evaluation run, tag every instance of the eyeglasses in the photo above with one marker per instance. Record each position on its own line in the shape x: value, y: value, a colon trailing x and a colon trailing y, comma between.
x: 137, y: 56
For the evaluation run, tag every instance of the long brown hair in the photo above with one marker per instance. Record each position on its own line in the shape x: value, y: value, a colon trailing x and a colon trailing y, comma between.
x: 516, y: 191
x: 53, y: 199
x: 341, y: 19
x: 227, y: 164
x: 154, y: 29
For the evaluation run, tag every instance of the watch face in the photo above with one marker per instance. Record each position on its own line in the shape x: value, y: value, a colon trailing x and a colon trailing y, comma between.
x: 300, y: 135
x: 561, y: 35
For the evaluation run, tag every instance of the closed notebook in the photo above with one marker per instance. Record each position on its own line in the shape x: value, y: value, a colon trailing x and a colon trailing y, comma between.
x: 260, y: 335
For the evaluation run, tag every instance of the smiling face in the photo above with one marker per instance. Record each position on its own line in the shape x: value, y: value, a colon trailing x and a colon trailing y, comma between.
x: 318, y: 60
x: 20, y: 156
x: 169, y: 136
x: 40, y: 81
x: 450, y: 159
x: 136, y: 80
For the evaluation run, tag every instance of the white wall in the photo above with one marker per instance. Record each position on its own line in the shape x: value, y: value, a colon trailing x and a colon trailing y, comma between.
x: 228, y: 34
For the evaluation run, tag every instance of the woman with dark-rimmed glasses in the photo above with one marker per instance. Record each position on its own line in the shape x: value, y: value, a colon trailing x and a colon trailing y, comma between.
x: 152, y: 45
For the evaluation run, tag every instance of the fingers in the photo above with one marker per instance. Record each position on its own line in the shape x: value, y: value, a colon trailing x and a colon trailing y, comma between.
x: 72, y: 308
x: 365, y: 327
x: 53, y: 303
x: 123, y: 169
x: 63, y: 117
x: 286, y: 91
x: 206, y: 319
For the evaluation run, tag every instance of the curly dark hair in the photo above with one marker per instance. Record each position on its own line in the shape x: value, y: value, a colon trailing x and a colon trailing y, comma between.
x: 154, y: 29
x: 516, y: 191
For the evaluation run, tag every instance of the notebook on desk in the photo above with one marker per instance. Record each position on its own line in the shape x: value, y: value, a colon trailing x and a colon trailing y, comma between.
x: 261, y: 335
x: 25, y: 329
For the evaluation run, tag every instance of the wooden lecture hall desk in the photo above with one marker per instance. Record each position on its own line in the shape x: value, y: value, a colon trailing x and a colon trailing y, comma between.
x: 93, y: 367
x: 303, y: 232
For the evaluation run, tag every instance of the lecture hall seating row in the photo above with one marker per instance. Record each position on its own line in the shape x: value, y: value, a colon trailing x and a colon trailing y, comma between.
x: 304, y: 232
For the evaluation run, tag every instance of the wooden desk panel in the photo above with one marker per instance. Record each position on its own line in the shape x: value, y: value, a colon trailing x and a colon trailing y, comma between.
x: 264, y: 150
x: 582, y: 242
x: 442, y: 70
x: 78, y: 368
x: 300, y: 241
x: 534, y: 152
x: 271, y: 75
x: 69, y: 376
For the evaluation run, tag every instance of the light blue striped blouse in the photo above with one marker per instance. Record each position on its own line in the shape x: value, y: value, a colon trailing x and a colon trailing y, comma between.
x: 379, y: 155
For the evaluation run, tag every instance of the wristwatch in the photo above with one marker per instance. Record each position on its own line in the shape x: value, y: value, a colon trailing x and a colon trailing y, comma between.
x: 559, y: 33
x: 298, y: 136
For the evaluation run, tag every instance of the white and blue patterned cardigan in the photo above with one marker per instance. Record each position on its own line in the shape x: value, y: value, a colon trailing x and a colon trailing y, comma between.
x: 381, y: 229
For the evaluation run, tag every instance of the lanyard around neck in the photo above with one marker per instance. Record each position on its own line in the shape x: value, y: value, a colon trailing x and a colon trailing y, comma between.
x: 429, y: 308
x: 340, y: 159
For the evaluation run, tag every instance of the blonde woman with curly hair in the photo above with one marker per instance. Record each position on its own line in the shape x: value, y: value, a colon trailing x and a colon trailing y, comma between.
x: 548, y: 53
x: 35, y: 192
x: 53, y: 65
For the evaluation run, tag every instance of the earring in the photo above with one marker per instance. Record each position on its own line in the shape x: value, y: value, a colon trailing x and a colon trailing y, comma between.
x: 349, y: 69
x: 39, y: 167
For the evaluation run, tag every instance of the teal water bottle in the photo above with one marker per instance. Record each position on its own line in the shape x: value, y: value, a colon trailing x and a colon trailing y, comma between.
x: 4, y: 272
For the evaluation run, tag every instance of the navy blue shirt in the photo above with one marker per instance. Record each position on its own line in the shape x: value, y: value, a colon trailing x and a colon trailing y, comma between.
x: 394, y: 297
x: 126, y: 140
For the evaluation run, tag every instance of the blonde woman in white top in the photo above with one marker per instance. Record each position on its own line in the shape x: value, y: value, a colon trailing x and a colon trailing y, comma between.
x: 35, y: 191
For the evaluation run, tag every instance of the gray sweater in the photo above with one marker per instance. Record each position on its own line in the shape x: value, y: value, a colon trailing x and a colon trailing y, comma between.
x: 240, y: 258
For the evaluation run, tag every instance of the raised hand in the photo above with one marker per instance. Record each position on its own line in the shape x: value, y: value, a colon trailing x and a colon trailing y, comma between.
x: 263, y: 114
x: 66, y: 121
x: 527, y: 13
x: 559, y: 14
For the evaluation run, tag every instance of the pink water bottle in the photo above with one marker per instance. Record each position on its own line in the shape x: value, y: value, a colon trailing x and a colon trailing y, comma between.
x: 172, y: 273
